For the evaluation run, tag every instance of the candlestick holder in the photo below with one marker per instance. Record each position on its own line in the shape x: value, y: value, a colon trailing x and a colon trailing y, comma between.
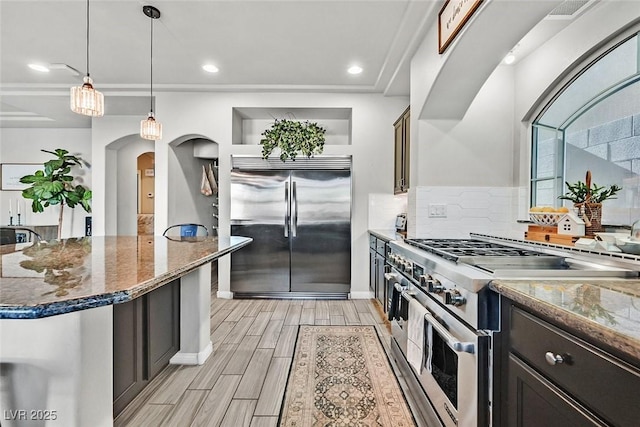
x: 10, y: 221
x: 18, y: 220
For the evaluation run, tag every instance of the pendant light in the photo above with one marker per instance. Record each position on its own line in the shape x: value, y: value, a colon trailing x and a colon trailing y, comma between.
x: 151, y: 128
x: 85, y: 99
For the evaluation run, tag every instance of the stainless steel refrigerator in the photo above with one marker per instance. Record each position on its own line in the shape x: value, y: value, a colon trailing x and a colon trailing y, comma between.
x: 299, y: 216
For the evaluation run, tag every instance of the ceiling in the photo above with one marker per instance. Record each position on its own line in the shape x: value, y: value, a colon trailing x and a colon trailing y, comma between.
x: 279, y: 45
x: 260, y: 45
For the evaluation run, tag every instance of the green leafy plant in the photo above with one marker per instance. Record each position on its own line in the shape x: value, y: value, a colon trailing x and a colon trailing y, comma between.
x: 579, y: 192
x: 293, y: 137
x: 54, y: 185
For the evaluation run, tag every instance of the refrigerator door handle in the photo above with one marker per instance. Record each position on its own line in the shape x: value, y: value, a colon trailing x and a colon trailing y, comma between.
x: 294, y: 222
x: 287, y: 216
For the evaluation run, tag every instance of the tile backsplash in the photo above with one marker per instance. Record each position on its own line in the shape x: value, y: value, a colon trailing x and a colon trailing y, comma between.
x: 383, y: 209
x: 454, y: 212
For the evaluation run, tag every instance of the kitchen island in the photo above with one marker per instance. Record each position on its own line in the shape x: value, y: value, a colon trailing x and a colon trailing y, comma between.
x: 56, y: 318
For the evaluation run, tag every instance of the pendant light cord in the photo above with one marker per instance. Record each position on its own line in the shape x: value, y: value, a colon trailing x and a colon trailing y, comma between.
x: 87, y: 38
x: 151, y: 67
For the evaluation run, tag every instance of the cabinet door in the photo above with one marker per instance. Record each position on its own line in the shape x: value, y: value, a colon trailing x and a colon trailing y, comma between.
x: 372, y: 272
x: 163, y: 320
x: 533, y: 401
x: 405, y: 149
x: 381, y: 289
x: 129, y: 376
x: 401, y: 153
x: 146, y: 335
x: 397, y: 155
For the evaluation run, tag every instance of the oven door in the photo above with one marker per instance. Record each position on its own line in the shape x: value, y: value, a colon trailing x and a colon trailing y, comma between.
x: 455, y: 369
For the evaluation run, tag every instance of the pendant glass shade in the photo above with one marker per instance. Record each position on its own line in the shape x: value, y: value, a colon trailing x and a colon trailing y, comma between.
x: 150, y: 128
x: 86, y: 100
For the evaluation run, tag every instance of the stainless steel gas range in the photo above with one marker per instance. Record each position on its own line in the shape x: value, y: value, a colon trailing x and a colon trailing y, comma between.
x: 444, y: 318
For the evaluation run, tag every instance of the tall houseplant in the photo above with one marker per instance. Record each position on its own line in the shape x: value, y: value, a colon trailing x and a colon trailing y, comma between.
x: 54, y: 186
x: 293, y: 137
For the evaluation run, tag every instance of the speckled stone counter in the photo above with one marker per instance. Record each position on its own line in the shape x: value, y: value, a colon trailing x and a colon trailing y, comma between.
x: 608, y: 311
x: 76, y: 274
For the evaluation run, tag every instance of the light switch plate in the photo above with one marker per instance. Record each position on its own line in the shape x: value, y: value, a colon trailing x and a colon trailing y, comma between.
x: 437, y: 210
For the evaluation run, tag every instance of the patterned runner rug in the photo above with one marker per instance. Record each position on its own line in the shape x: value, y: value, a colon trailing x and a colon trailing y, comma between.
x: 342, y: 377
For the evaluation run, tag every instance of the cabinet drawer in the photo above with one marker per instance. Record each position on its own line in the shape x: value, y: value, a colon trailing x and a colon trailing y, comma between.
x: 373, y: 242
x: 606, y: 386
x: 380, y: 246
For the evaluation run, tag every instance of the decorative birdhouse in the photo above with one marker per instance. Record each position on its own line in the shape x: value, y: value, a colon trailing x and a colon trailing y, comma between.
x: 571, y: 225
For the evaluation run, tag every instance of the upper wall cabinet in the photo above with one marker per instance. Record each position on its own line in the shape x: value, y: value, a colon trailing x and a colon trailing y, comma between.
x: 250, y: 122
x: 401, y: 153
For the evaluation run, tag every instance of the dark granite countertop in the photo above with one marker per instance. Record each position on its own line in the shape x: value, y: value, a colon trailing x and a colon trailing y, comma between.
x: 58, y: 277
x: 606, y: 310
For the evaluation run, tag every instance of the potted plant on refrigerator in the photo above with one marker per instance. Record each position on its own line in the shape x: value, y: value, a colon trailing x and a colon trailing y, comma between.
x: 587, y: 198
x: 54, y: 185
x: 293, y: 137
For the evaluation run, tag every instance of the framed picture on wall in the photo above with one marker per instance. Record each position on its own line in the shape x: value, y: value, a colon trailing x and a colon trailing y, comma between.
x: 10, y: 174
x: 451, y: 18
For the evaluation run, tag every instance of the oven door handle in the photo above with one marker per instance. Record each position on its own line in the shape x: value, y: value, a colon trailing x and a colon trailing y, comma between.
x: 407, y: 295
x: 395, y: 279
x: 456, y: 345
x: 391, y: 277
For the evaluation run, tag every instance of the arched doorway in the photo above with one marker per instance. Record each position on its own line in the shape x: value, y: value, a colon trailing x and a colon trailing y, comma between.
x: 146, y: 192
x: 121, y: 184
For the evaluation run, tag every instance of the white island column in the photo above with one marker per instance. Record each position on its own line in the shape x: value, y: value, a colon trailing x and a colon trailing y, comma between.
x: 195, y: 307
x: 57, y: 371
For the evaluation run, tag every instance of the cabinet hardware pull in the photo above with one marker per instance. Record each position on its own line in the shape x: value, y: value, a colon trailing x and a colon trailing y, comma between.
x: 553, y: 359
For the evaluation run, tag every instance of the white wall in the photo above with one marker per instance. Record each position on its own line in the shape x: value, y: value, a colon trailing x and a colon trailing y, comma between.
x: 475, y: 151
x: 23, y: 146
x: 210, y: 116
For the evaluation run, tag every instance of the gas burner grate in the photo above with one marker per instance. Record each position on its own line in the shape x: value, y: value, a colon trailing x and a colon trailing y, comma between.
x: 454, y: 249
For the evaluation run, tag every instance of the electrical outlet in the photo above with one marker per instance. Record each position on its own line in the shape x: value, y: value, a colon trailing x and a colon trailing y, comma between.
x: 437, y: 210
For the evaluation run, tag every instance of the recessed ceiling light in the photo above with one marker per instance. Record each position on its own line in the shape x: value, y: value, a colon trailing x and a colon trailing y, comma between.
x: 210, y: 68
x: 39, y: 67
x: 354, y: 70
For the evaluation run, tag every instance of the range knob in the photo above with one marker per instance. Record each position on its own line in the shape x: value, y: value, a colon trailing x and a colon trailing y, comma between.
x: 453, y: 297
x: 432, y: 285
x: 407, y: 267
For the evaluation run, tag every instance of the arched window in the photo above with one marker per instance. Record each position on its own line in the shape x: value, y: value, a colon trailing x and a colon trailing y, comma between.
x: 593, y: 123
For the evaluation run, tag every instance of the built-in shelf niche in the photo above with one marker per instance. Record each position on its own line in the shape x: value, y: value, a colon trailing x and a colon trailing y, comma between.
x: 250, y: 122
x: 205, y: 148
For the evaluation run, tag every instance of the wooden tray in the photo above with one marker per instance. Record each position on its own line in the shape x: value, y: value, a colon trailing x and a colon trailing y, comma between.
x: 546, y: 234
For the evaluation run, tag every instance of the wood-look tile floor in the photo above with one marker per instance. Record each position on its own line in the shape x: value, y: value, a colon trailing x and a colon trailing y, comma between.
x: 243, y: 382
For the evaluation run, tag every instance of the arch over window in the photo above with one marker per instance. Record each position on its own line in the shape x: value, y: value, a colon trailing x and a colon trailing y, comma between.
x: 593, y: 123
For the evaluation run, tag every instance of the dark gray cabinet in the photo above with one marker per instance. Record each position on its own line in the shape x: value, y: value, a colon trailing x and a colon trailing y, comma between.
x: 377, y: 268
x: 401, y: 153
x: 146, y: 334
x: 536, y: 402
x: 555, y: 378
